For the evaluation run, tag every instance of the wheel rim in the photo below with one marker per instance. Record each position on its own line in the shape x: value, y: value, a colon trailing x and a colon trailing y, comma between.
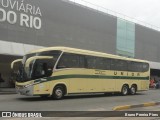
x: 58, y: 93
x: 133, y: 90
x: 125, y: 90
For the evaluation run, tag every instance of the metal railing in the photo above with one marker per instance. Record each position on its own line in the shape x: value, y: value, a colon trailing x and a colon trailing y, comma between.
x: 116, y: 14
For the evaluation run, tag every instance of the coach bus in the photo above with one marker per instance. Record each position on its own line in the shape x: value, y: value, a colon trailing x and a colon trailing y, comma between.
x: 59, y: 71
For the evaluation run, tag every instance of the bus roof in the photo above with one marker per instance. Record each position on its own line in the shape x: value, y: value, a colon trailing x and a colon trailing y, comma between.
x: 85, y: 52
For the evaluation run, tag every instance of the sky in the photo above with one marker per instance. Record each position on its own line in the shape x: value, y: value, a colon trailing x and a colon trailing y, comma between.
x: 145, y: 11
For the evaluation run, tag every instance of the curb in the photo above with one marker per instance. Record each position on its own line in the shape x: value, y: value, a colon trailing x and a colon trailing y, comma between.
x: 7, y: 93
x: 136, y: 106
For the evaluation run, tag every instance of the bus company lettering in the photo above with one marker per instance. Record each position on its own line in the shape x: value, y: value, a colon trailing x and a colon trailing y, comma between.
x: 28, y: 15
x: 126, y: 74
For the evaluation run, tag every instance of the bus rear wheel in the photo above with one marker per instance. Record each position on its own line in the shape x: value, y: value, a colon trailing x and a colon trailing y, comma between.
x: 124, y: 90
x: 133, y: 90
x: 58, y: 92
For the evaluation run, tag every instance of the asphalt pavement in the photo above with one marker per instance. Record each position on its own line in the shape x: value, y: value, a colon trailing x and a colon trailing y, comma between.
x: 91, y: 102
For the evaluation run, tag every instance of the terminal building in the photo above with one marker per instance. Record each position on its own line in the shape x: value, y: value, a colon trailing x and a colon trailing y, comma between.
x: 27, y: 25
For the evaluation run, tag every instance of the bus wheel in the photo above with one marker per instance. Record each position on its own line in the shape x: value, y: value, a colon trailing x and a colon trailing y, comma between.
x: 124, y: 90
x: 133, y: 90
x: 58, y: 92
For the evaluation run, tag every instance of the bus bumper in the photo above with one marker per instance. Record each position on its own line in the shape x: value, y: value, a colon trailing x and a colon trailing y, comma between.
x: 25, y: 90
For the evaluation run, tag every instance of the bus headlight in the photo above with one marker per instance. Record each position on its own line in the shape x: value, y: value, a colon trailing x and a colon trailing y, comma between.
x: 28, y: 85
x: 31, y: 84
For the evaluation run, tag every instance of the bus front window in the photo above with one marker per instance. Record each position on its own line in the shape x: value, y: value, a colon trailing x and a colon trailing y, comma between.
x: 37, y: 65
x: 42, y: 68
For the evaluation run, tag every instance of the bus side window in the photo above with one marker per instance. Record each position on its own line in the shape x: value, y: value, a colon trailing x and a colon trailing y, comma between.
x: 145, y: 67
x: 81, y: 61
x: 107, y: 63
x: 99, y: 63
x: 102, y: 63
x: 113, y: 64
x: 119, y: 65
x: 90, y: 62
x: 135, y: 66
x: 122, y: 65
x: 69, y: 60
x: 63, y: 62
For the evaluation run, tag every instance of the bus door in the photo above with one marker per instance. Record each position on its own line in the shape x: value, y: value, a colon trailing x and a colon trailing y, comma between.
x: 40, y: 68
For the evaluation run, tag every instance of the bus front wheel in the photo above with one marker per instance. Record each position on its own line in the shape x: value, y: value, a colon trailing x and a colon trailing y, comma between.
x: 58, y: 92
x: 124, y: 90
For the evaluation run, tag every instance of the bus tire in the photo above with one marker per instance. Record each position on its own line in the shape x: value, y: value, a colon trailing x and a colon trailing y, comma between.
x: 58, y: 92
x: 133, y: 90
x: 124, y: 90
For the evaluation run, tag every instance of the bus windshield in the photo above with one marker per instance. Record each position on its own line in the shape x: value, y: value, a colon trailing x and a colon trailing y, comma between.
x: 37, y: 65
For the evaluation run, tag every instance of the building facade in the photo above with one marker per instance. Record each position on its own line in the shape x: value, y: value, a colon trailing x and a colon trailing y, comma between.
x: 27, y: 25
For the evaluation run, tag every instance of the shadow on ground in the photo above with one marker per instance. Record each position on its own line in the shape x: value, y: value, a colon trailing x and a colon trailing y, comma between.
x: 70, y: 97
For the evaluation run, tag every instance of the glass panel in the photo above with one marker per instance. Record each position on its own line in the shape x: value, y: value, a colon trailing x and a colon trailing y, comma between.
x: 130, y: 27
x: 130, y: 35
x: 102, y: 63
x: 121, y: 43
x: 130, y: 45
x: 121, y: 24
x: 90, y: 62
x: 69, y: 60
x: 42, y: 68
x: 135, y: 66
x: 125, y: 38
x: 119, y: 65
x: 121, y: 33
